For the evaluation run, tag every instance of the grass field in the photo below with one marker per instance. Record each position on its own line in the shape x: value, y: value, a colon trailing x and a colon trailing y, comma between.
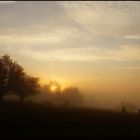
x: 30, y: 120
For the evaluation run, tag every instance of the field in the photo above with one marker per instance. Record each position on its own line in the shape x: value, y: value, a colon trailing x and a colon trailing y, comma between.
x: 30, y: 120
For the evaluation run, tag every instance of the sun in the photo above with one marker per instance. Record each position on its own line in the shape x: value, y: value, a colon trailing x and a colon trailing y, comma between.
x: 53, y: 88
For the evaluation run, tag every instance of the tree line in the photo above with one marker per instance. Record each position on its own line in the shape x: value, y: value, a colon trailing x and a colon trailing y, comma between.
x: 14, y: 80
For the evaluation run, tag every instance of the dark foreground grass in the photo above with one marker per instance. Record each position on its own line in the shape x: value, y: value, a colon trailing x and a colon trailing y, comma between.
x: 39, y: 121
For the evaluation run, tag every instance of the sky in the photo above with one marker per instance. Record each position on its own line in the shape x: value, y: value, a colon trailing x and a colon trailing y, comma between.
x: 94, y: 45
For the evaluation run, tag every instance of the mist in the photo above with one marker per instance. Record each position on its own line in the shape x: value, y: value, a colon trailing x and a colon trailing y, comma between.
x: 93, y: 46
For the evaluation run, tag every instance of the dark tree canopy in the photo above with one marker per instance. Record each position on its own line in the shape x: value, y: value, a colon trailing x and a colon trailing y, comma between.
x: 5, y: 65
x: 13, y: 78
x: 16, y: 77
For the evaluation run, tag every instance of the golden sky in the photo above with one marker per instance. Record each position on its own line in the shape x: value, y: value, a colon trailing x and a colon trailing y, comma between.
x: 94, y: 45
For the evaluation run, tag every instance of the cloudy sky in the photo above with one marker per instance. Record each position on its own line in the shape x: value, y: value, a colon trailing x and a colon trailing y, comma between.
x: 94, y: 45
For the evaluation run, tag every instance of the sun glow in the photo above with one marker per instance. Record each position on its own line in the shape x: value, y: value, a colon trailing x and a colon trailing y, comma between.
x: 53, y: 88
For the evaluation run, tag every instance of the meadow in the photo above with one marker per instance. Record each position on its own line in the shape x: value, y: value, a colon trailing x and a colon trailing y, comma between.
x: 30, y: 120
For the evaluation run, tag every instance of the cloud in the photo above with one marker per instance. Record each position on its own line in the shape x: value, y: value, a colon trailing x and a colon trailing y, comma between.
x: 128, y: 68
x: 69, y: 54
x: 104, y: 17
x: 7, y: 2
x: 125, y: 53
x: 130, y: 52
x: 72, y: 31
x: 54, y: 36
x: 132, y: 37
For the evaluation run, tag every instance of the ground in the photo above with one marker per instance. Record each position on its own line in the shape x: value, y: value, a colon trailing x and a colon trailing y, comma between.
x: 30, y: 120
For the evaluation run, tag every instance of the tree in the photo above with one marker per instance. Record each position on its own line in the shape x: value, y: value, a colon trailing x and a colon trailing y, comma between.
x: 13, y: 78
x: 30, y: 86
x: 5, y: 65
x: 16, y: 77
x: 2, y: 79
x: 72, y: 95
x: 22, y: 84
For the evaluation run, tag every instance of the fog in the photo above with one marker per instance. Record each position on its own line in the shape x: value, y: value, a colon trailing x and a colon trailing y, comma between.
x: 93, y: 46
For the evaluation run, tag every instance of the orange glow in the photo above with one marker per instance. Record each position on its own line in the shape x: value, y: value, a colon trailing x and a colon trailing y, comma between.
x: 53, y: 88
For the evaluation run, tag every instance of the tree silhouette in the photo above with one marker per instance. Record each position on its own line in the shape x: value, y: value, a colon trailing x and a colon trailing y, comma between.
x: 28, y: 86
x: 13, y: 78
x: 16, y: 77
x: 72, y: 95
x: 2, y: 80
x: 5, y: 65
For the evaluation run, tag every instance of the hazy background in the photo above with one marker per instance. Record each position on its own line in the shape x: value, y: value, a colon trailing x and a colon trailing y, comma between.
x: 92, y: 45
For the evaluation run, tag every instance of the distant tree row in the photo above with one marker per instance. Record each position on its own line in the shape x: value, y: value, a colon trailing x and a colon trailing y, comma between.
x: 69, y: 96
x: 13, y: 79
